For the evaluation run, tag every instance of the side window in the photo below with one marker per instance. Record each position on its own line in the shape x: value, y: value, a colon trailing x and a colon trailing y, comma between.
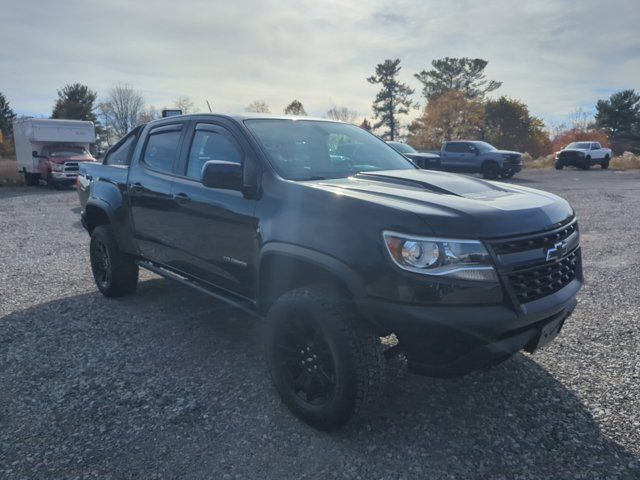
x: 120, y: 156
x: 596, y: 146
x: 458, y: 147
x: 162, y: 150
x: 210, y: 145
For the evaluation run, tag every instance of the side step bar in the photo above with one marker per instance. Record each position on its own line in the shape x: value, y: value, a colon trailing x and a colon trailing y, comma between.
x: 245, y: 306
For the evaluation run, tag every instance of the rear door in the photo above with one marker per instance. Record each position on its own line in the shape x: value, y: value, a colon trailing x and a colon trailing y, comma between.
x: 456, y: 156
x: 596, y: 151
x: 149, y: 190
x: 217, y: 227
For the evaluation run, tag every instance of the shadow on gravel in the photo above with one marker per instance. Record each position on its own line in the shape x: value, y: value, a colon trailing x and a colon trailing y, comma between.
x: 169, y: 384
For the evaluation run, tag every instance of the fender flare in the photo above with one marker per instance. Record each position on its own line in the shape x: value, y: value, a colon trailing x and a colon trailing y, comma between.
x: 331, y: 264
x: 124, y: 238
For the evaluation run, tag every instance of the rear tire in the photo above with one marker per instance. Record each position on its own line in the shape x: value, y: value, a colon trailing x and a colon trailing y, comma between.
x: 115, y: 272
x: 490, y: 170
x: 326, y: 363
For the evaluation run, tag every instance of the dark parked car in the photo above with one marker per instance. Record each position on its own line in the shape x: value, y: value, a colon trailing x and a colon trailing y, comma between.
x: 335, y: 250
x: 426, y: 160
x: 479, y: 157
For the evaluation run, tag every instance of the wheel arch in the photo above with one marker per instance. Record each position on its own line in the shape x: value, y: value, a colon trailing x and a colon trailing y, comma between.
x: 98, y: 212
x: 284, y: 267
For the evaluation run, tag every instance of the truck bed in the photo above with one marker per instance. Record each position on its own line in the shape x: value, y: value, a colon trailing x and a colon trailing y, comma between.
x: 91, y: 175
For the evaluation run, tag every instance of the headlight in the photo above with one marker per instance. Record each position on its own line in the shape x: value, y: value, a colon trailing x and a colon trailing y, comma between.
x: 56, y: 167
x: 459, y: 259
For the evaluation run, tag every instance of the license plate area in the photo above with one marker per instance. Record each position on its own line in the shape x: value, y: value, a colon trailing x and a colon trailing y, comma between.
x: 548, y: 332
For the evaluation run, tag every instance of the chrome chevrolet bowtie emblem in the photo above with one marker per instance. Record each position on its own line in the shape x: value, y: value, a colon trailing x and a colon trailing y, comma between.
x: 557, y: 250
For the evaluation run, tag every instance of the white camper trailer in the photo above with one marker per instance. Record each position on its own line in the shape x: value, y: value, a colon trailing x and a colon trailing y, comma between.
x: 51, y: 149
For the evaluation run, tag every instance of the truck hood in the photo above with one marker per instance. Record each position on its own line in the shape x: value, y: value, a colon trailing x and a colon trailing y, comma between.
x: 455, y: 205
x: 506, y: 152
x: 580, y: 150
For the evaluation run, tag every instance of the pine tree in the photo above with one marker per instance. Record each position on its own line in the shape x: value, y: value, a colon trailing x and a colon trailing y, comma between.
x: 463, y: 74
x: 295, y: 108
x: 75, y: 102
x: 393, y: 98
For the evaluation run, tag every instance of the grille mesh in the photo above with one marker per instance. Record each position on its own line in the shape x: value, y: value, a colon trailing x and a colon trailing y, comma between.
x: 530, y: 284
x: 545, y: 240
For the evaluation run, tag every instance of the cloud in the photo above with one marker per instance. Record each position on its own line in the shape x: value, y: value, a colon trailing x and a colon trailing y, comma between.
x: 554, y: 55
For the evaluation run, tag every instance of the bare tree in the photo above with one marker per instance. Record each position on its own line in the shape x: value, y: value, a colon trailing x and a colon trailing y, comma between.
x: 185, y: 104
x: 343, y: 114
x: 122, y: 108
x: 258, y: 106
x: 148, y: 114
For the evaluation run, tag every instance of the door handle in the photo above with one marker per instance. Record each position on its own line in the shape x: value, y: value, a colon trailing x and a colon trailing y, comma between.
x: 137, y: 187
x: 181, y: 197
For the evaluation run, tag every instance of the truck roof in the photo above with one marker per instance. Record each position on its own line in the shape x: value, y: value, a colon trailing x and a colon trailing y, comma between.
x: 240, y: 117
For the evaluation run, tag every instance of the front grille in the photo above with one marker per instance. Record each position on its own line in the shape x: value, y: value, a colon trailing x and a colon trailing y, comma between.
x: 71, y: 167
x: 514, y: 160
x: 544, y: 240
x: 530, y: 284
x: 568, y: 155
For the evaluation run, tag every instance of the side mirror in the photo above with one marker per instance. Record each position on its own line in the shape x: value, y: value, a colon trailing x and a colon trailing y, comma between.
x: 222, y: 174
x: 34, y: 154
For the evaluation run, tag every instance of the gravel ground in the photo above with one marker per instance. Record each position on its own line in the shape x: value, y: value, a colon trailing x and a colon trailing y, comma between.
x: 169, y: 384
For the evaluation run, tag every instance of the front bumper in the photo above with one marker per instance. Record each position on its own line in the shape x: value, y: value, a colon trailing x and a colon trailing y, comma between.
x: 455, y: 340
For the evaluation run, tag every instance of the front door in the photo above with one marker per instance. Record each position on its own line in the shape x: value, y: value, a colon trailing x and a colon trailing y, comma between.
x: 217, y: 227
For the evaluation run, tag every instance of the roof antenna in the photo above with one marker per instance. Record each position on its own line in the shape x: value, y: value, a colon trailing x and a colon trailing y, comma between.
x: 209, y: 105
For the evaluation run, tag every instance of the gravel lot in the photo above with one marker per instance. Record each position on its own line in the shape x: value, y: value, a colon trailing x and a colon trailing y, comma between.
x: 169, y: 384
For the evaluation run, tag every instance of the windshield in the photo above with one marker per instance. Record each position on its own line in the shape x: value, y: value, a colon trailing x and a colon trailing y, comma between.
x: 314, y: 150
x: 402, y: 147
x: 67, y: 151
x: 484, y: 146
x: 580, y: 145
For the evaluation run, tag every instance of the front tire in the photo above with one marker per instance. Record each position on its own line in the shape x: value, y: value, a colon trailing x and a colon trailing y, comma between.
x: 490, y: 170
x: 115, y: 272
x: 507, y: 174
x: 559, y: 166
x: 586, y: 165
x: 326, y: 363
x: 605, y: 163
x: 31, y: 179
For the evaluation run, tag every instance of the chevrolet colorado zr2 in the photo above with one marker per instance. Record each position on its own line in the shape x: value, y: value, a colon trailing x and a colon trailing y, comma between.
x: 334, y: 251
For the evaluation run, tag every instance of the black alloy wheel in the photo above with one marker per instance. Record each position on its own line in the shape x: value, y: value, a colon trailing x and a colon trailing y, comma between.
x: 100, y: 264
x: 306, y: 362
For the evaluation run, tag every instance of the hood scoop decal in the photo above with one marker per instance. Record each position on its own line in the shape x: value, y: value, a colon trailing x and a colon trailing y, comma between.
x: 438, y: 182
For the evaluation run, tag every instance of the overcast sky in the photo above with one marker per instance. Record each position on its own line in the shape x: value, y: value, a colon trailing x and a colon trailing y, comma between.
x: 554, y: 55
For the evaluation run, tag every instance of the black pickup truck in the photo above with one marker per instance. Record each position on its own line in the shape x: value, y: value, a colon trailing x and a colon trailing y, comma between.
x: 335, y: 251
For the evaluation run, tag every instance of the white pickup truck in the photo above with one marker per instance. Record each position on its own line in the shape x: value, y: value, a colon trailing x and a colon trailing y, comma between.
x: 583, y: 155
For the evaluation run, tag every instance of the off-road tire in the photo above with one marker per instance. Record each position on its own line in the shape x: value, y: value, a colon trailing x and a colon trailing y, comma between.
x: 121, y: 277
x: 605, y: 162
x: 31, y: 179
x: 354, y: 348
x: 490, y: 170
x: 586, y: 164
x: 559, y: 166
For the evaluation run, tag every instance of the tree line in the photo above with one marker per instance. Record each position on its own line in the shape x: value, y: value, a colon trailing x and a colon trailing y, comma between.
x: 454, y: 105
